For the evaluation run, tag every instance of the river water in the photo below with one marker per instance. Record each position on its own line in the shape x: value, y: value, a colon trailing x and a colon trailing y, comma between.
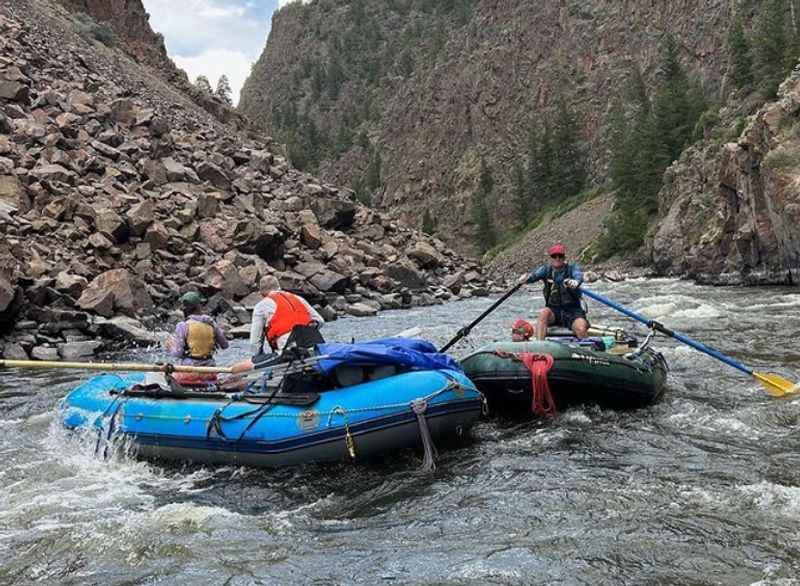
x: 702, y: 488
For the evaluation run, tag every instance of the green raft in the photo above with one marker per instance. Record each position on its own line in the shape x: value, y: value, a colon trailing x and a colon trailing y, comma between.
x: 618, y: 376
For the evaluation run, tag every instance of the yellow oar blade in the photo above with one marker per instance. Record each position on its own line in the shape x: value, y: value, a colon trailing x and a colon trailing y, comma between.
x: 775, y: 385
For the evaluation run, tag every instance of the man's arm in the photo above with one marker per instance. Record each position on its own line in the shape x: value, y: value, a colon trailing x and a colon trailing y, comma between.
x: 538, y: 274
x: 177, y: 345
x: 262, y: 314
x: 219, y: 337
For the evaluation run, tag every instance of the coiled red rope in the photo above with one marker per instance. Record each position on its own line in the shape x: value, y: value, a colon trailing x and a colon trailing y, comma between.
x: 542, y: 402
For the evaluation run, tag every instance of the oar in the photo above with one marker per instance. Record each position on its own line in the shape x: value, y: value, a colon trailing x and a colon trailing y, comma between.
x: 775, y: 385
x: 466, y: 330
x: 112, y: 366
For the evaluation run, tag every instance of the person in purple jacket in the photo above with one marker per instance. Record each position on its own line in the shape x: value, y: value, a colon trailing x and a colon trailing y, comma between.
x: 195, y: 340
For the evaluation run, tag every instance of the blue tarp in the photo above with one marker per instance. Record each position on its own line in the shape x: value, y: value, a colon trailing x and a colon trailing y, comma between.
x: 410, y: 353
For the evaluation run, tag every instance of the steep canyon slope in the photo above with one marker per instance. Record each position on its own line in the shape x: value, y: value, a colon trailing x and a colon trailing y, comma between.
x: 427, y: 89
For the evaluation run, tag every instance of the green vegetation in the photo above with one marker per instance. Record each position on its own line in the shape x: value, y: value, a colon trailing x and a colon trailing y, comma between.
x: 644, y: 141
x: 485, y: 235
x: 783, y: 159
x: 741, y: 56
x: 428, y: 223
x: 89, y: 28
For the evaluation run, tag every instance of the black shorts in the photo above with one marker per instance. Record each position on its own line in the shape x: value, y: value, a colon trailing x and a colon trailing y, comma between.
x: 566, y: 316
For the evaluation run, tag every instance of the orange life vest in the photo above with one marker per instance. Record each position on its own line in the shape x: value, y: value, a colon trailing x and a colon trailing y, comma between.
x: 290, y: 311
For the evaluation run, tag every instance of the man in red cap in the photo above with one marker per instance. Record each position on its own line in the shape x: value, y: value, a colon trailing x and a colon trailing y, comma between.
x: 562, y: 295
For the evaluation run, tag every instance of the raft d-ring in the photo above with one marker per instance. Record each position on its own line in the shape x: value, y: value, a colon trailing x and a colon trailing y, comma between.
x: 139, y: 416
x: 187, y: 419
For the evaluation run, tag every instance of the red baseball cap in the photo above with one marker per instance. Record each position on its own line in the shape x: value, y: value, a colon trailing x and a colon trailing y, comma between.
x: 557, y: 249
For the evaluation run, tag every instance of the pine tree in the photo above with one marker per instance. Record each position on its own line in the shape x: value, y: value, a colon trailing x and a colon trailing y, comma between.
x: 521, y: 195
x: 224, y: 90
x: 373, y: 178
x: 485, y: 236
x: 428, y: 224
x: 203, y: 84
x: 770, y: 46
x: 741, y: 57
x: 568, y: 168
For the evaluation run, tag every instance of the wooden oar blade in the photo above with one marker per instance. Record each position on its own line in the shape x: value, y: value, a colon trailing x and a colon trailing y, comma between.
x: 776, y: 385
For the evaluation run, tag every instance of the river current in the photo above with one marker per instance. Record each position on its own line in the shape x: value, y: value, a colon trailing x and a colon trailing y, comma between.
x: 701, y: 488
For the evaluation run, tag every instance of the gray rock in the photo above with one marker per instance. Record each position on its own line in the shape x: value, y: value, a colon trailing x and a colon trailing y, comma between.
x: 361, y: 310
x: 44, y: 353
x: 14, y: 91
x: 406, y: 274
x: 213, y: 174
x: 333, y: 213
x: 14, y: 351
x: 77, y: 350
x: 112, y: 224
x: 425, y: 254
x: 53, y: 173
x: 69, y: 283
x: 140, y: 217
x: 330, y: 281
x: 128, y: 329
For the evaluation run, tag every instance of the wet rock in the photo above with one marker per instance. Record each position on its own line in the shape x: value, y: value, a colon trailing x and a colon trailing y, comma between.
x: 78, y: 350
x: 129, y: 330
x: 44, y: 353
x: 14, y: 351
x: 361, y: 310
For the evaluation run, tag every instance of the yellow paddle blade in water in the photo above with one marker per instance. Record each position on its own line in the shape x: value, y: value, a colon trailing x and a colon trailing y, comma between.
x: 775, y: 385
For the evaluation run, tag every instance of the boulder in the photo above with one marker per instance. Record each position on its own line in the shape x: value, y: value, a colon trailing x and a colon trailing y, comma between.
x: 140, y: 217
x: 453, y: 282
x: 113, y: 225
x: 78, y: 350
x: 208, y: 171
x: 224, y: 277
x: 14, y: 351
x: 255, y: 237
x: 100, y: 241
x: 80, y: 102
x: 8, y: 291
x: 155, y: 172
x: 213, y: 235
x: 425, y: 254
x: 157, y: 236
x: 115, y: 290
x: 129, y: 330
x: 310, y: 236
x: 71, y: 284
x: 406, y: 274
x: 207, y: 205
x: 175, y: 171
x: 14, y: 91
x: 53, y: 173
x: 361, y: 310
x: 330, y: 281
x: 334, y: 213
x: 11, y: 192
x: 44, y: 353
x: 123, y: 111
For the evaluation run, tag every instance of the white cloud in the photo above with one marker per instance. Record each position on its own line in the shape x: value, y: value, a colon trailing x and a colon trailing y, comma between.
x: 215, y: 62
x: 212, y: 37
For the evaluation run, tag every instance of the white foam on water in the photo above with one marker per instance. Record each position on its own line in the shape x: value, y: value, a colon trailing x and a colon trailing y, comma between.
x: 774, y: 497
x: 576, y: 416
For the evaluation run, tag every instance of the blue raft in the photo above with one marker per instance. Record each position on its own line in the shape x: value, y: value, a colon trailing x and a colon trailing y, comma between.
x: 374, y: 417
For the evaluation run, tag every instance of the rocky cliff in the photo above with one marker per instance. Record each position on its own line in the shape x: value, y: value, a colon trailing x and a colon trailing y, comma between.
x: 118, y: 193
x: 731, y: 210
x: 429, y: 87
x: 130, y: 24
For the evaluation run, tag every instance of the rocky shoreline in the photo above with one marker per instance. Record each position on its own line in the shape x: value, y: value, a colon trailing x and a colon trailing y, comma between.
x: 118, y: 194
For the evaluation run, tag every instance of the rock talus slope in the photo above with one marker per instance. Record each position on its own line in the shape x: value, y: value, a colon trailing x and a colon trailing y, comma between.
x: 118, y: 193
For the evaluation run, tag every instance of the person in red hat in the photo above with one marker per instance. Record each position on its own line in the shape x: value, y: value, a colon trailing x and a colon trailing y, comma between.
x: 562, y: 295
x: 521, y: 331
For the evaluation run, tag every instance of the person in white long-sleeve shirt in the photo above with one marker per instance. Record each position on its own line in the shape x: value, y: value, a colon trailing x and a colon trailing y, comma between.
x: 273, y: 320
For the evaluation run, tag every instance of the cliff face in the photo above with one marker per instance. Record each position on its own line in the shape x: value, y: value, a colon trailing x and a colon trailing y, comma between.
x: 131, y: 24
x: 732, y: 210
x: 118, y: 193
x: 441, y: 88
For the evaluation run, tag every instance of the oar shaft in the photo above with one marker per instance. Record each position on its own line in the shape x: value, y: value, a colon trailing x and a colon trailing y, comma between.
x: 464, y: 331
x: 668, y: 332
x: 112, y: 366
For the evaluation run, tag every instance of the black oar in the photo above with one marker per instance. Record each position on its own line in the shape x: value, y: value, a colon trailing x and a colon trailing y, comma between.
x: 466, y: 330
x: 775, y: 385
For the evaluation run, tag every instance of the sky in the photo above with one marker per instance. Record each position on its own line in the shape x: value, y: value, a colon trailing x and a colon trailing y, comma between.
x: 214, y: 37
